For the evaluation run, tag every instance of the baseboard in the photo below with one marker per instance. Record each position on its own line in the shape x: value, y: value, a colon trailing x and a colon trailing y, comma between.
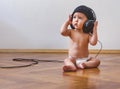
x: 56, y: 51
x: 106, y: 51
x: 35, y: 50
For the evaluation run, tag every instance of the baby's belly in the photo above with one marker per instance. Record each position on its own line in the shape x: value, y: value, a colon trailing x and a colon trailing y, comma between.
x: 78, y: 52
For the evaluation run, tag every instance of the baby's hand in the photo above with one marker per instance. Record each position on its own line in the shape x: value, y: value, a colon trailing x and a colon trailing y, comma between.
x: 95, y: 26
x: 69, y: 20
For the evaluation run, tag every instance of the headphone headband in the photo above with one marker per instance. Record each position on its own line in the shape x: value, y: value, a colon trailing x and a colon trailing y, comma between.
x: 94, y: 15
x: 90, y: 14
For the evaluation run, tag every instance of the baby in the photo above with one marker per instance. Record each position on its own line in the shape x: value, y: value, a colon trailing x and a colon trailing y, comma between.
x: 84, y: 32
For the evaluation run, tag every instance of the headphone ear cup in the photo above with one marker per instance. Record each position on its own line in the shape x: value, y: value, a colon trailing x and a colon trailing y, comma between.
x: 88, y: 26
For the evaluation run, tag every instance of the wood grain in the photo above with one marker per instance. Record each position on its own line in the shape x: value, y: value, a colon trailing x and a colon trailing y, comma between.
x: 51, y: 76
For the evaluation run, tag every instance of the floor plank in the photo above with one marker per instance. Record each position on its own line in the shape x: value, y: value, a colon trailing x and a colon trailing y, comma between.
x: 49, y: 75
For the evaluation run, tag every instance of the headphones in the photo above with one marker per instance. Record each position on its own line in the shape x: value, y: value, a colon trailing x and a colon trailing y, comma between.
x: 89, y: 24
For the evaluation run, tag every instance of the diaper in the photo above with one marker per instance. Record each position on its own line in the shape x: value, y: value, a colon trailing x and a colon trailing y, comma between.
x: 81, y: 60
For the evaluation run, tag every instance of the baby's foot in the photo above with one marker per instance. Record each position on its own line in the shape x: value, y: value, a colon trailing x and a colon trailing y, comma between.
x: 68, y: 68
x: 81, y: 65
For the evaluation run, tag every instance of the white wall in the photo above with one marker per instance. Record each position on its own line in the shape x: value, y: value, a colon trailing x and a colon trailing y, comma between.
x: 35, y: 24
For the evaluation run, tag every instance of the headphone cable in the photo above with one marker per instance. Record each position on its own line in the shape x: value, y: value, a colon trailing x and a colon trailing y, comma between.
x: 99, y: 49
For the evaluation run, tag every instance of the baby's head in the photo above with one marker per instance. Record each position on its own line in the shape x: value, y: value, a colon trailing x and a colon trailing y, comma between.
x: 88, y: 12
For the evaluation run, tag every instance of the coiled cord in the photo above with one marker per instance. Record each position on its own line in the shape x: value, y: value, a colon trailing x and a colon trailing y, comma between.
x: 33, y: 62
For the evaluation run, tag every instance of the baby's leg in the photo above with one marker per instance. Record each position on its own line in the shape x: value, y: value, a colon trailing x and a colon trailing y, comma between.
x: 92, y: 63
x: 69, y: 65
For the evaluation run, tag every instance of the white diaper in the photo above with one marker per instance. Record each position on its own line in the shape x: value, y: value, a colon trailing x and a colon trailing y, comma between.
x: 81, y: 60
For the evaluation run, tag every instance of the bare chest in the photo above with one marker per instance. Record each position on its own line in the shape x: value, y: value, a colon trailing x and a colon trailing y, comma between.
x: 79, y: 38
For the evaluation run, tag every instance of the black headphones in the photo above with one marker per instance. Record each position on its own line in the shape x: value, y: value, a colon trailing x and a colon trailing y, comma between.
x: 89, y: 24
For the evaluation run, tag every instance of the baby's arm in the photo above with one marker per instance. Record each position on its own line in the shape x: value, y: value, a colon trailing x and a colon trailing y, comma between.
x: 64, y: 29
x: 94, y: 37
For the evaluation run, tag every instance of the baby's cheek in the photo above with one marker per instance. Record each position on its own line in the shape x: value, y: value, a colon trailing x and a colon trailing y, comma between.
x: 80, y: 23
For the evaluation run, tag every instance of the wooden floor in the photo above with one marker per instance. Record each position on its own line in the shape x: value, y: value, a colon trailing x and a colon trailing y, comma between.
x: 50, y: 75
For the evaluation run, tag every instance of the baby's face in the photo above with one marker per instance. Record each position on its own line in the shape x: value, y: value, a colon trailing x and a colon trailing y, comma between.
x: 78, y: 20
